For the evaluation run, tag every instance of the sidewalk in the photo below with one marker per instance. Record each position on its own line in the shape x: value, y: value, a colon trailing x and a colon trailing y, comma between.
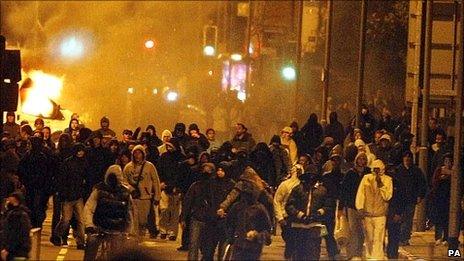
x: 423, y: 247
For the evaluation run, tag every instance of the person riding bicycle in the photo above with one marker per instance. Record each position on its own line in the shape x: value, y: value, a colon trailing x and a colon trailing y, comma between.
x: 108, y: 209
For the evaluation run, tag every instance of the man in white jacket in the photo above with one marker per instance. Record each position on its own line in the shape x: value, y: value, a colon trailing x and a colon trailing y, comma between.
x: 374, y: 192
x: 280, y: 200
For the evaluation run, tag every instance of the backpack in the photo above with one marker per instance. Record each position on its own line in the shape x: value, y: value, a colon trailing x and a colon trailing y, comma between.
x: 112, y: 211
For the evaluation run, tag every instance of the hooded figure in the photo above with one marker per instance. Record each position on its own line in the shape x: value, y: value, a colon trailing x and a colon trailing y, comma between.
x: 312, y: 132
x: 105, y: 127
x: 109, y: 207
x: 374, y: 192
x: 154, y: 140
x: 180, y: 138
x: 197, y: 139
x: 16, y: 226
x: 335, y: 129
x: 142, y: 177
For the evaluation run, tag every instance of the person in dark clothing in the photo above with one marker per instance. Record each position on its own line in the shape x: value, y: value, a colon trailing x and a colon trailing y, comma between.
x: 180, y: 138
x: 436, y: 155
x: 312, y: 132
x: 35, y: 172
x: 367, y: 125
x: 195, y: 209
x: 298, y: 136
x: 434, y: 129
x: 262, y: 161
x: 385, y: 153
x: 307, y: 206
x: 15, y: 241
x: 197, y: 139
x: 154, y: 139
x: 250, y: 226
x: 71, y: 186
x: 281, y: 160
x: 64, y: 151
x: 105, y: 128
x: 188, y: 174
x: 440, y: 199
x: 412, y: 186
x: 349, y: 188
x: 238, y: 165
x: 332, y: 181
x: 224, y: 153
x: 335, y: 129
x: 10, y: 126
x: 387, y: 122
x: 46, y: 131
x: 215, y: 233
x: 99, y: 160
x: 73, y: 129
x: 243, y: 140
x: 150, y: 148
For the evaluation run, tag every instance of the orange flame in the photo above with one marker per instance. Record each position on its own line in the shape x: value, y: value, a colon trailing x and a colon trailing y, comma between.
x: 45, y: 87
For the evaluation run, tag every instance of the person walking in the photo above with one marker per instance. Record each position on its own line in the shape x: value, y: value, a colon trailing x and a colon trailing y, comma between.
x: 374, y: 192
x: 143, y: 179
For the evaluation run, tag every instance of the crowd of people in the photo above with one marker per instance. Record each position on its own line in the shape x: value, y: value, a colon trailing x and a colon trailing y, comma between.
x: 303, y: 180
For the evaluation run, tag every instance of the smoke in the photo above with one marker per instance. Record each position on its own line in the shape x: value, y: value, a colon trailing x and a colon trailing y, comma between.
x: 114, y: 58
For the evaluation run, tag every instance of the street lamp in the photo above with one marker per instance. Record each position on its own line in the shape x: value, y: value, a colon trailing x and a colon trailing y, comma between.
x: 172, y: 96
x: 289, y: 73
x: 130, y: 90
x: 209, y: 50
x: 149, y: 44
x: 72, y: 48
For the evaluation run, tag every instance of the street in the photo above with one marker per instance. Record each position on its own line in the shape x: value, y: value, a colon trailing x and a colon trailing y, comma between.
x: 165, y: 247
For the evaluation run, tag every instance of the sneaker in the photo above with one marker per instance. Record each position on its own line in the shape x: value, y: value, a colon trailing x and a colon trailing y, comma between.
x: 56, y: 241
x: 438, y: 242
x: 81, y: 247
x: 172, y: 238
x: 64, y: 242
x: 182, y: 248
x: 163, y: 236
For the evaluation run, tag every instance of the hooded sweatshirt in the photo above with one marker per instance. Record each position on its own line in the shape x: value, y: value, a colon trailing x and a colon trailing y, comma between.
x: 120, y: 194
x: 372, y: 197
x: 149, y: 184
x: 162, y: 149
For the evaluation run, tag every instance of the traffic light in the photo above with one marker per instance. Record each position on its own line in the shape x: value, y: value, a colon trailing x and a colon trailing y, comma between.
x: 10, y: 75
x: 210, y: 33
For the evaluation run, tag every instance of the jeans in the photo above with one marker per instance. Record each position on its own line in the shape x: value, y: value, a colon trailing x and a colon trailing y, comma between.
x: 309, y: 244
x: 70, y: 208
x: 394, y: 232
x: 356, y: 240
x: 287, y: 236
x: 374, y: 228
x: 215, y: 236
x: 332, y: 246
x: 197, y: 232
x: 169, y: 215
x: 37, y: 202
x: 151, y: 224
x: 406, y: 225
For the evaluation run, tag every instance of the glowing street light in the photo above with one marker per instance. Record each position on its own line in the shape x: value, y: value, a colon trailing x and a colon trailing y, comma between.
x: 72, y: 48
x: 209, y: 50
x: 130, y: 90
x: 289, y: 73
x: 172, y: 96
x: 236, y: 57
x: 149, y: 44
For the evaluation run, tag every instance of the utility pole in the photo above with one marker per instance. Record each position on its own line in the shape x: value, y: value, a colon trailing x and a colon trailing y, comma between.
x: 298, y: 58
x: 417, y: 68
x: 362, y: 49
x: 420, y: 209
x: 326, y: 71
x: 456, y: 192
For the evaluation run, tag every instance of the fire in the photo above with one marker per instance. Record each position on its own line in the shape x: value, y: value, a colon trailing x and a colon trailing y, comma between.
x: 39, y: 95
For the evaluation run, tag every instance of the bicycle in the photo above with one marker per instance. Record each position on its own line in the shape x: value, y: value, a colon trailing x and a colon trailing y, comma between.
x: 104, y: 244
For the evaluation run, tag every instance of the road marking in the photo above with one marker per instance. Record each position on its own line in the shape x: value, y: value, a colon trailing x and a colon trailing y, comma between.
x: 62, y: 254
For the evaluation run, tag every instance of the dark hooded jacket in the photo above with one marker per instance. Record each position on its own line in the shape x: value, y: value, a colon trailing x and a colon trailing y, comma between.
x: 262, y: 161
x: 14, y: 237
x: 201, y: 143
x: 180, y: 140
x: 36, y: 168
x: 99, y: 160
x: 71, y: 181
x: 245, y: 143
x: 312, y: 132
x: 335, y: 129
